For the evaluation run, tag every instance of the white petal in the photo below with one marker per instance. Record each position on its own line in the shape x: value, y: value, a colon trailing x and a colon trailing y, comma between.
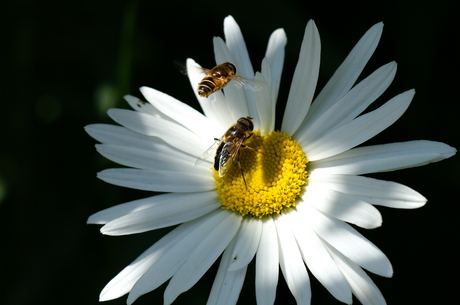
x: 234, y: 93
x: 267, y: 261
x: 206, y: 252
x: 222, y: 107
x: 361, y: 284
x: 167, y: 213
x: 374, y: 191
x: 360, y: 129
x: 382, y: 158
x: 347, y: 240
x: 294, y: 270
x: 112, y: 213
x: 227, y: 285
x: 174, y: 240
x: 143, y: 106
x: 173, y: 134
x: 235, y: 96
x: 349, y: 106
x: 304, y: 80
x: 275, y: 56
x: 342, y: 206
x: 163, y: 157
x: 171, y: 257
x: 159, y: 180
x: 235, y: 43
x: 265, y: 107
x: 179, y: 112
x: 347, y: 74
x: 247, y: 242
x: 118, y: 135
x: 240, y: 57
x: 318, y: 260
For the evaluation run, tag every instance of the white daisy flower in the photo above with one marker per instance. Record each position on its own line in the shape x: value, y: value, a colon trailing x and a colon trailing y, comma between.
x: 302, y: 192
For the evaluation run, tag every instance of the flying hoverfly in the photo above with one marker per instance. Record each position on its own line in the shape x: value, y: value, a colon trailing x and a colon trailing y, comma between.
x: 218, y: 77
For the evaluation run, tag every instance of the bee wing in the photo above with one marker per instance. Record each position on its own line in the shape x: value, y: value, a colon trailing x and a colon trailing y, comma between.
x: 196, y: 69
x: 226, y: 158
x: 228, y: 154
x: 210, y: 151
x: 245, y: 82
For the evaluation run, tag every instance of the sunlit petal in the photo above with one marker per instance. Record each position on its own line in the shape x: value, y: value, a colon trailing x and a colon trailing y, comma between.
x: 304, y: 80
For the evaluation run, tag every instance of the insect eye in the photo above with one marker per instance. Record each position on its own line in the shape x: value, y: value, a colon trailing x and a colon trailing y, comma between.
x: 231, y: 67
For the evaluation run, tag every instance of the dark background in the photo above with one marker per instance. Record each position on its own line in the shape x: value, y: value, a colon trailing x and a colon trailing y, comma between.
x: 65, y: 63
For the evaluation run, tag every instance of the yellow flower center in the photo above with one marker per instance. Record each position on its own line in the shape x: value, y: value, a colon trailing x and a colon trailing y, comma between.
x: 270, y: 179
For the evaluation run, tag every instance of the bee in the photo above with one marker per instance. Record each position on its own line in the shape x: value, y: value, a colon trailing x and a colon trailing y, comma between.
x: 218, y: 77
x: 228, y: 146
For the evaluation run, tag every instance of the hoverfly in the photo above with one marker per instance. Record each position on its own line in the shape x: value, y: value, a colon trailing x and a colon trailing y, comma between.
x: 228, y: 146
x: 218, y: 77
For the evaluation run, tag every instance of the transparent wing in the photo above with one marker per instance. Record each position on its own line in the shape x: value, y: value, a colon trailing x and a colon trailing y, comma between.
x: 240, y: 81
x: 211, y: 151
x: 196, y: 69
x: 228, y: 154
x: 225, y: 159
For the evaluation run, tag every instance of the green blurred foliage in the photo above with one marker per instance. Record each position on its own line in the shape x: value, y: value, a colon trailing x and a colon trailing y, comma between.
x: 65, y: 63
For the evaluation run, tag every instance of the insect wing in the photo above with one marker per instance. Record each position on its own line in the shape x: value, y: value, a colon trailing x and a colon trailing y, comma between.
x: 228, y: 154
x: 196, y: 70
x: 226, y: 158
x: 240, y: 81
x: 210, y: 151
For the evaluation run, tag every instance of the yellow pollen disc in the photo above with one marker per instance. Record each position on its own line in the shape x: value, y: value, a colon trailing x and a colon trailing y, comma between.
x: 275, y: 169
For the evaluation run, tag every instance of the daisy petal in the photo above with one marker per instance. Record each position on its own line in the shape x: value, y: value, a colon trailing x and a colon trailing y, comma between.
x: 265, y: 106
x: 267, y: 264
x: 360, y: 129
x: 207, y: 249
x: 165, y: 214
x: 142, y: 106
x: 291, y: 262
x: 361, y: 284
x: 235, y: 43
x: 112, y: 213
x: 222, y: 111
x: 127, y: 278
x: 347, y: 240
x: 304, y: 80
x: 159, y: 180
x: 349, y: 106
x: 318, y: 260
x: 247, y: 242
x: 383, y: 158
x: 227, y: 284
x: 347, y: 74
x: 374, y: 191
x: 275, y: 56
x: 239, y: 106
x: 170, y: 258
x: 342, y: 206
x: 164, y: 158
x: 114, y: 134
x: 240, y: 57
x: 223, y: 53
x: 173, y: 134
x: 179, y: 112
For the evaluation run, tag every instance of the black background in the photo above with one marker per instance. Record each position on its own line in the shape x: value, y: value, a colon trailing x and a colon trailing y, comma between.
x: 65, y: 63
